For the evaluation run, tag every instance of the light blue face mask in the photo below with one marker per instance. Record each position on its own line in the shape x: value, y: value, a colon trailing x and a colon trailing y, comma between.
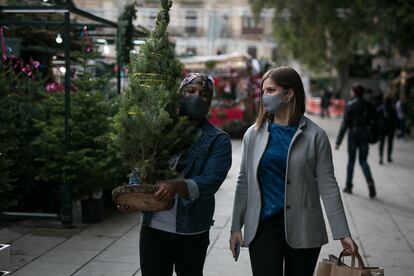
x: 273, y: 104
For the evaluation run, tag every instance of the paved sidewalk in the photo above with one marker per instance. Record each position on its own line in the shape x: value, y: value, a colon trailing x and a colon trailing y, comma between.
x: 383, y: 227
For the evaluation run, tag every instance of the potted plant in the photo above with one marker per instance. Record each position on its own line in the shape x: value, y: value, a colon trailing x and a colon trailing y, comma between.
x: 148, y: 129
x: 20, y: 94
x: 90, y: 166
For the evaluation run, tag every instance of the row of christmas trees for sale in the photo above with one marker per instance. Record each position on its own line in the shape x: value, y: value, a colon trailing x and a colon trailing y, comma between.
x: 32, y: 159
x: 108, y: 136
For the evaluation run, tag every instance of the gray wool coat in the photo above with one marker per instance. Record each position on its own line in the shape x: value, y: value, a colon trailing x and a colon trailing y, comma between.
x: 309, y: 177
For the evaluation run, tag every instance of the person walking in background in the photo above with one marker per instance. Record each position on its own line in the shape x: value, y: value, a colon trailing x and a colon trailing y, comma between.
x: 369, y: 96
x: 177, y: 239
x: 401, y: 111
x: 325, y: 103
x: 358, y: 116
x: 286, y: 167
x: 387, y: 119
x: 378, y: 99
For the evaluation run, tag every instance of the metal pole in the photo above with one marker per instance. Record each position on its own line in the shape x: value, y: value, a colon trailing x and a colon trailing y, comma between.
x: 66, y: 205
x: 31, y: 215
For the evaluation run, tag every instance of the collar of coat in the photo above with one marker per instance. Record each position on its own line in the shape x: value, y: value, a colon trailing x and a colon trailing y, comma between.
x: 301, y: 124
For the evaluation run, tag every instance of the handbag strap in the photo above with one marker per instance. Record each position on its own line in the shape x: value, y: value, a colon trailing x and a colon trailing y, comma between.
x: 353, y: 256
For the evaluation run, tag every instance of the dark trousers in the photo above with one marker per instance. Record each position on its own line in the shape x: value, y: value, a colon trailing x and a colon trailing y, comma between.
x: 325, y: 110
x: 358, y: 142
x: 161, y: 252
x: 401, y: 126
x: 389, y: 135
x: 269, y: 252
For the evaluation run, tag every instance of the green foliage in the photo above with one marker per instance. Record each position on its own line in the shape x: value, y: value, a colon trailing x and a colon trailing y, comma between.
x: 90, y: 166
x: 147, y: 128
x: 6, y: 186
x: 392, y: 23
x: 326, y: 34
x: 19, y: 104
x: 49, y: 143
x: 124, y: 37
x: 86, y: 80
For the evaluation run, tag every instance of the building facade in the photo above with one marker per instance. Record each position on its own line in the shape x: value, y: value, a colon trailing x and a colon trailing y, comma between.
x: 200, y: 27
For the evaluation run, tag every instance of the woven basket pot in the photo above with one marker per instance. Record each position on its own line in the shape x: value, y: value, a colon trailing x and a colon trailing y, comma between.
x: 140, y: 197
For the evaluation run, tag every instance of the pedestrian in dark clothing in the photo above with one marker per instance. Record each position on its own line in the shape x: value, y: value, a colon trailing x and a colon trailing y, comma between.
x: 325, y: 103
x: 401, y: 109
x: 358, y: 116
x: 387, y: 120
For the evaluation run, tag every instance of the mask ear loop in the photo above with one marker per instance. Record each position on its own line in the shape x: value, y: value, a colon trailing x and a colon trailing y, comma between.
x: 270, y: 117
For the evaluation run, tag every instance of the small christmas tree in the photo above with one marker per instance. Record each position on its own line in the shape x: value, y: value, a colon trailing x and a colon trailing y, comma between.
x: 20, y: 96
x: 148, y: 128
x: 90, y: 166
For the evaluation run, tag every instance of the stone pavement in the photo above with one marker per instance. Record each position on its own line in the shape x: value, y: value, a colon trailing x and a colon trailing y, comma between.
x: 382, y: 227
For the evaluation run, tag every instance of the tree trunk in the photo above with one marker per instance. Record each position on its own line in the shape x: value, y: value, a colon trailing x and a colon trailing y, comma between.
x: 343, y: 78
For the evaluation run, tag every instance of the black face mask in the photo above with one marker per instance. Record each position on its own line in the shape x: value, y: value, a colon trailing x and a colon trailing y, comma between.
x: 195, y: 107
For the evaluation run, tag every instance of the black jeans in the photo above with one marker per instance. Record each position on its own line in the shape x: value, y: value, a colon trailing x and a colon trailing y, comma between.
x: 358, y: 142
x: 390, y: 137
x: 160, y: 252
x: 269, y: 249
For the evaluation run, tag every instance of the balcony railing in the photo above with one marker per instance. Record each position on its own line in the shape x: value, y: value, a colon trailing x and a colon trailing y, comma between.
x: 252, y: 30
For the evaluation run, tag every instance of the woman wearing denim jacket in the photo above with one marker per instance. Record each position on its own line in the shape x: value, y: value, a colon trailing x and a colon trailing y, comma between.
x: 286, y: 167
x: 178, y: 238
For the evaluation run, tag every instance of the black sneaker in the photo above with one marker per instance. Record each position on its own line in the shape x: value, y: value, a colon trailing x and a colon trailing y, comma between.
x: 372, y: 192
x: 389, y: 159
x: 347, y: 190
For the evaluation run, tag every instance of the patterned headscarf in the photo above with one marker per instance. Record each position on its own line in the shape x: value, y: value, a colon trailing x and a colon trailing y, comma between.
x: 198, y: 78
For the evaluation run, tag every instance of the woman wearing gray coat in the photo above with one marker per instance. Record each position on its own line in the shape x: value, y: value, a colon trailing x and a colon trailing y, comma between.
x: 286, y: 168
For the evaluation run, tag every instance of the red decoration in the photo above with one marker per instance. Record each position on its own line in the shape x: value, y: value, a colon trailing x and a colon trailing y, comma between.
x: 35, y: 63
x: 55, y: 87
x: 220, y: 115
x: 17, y: 64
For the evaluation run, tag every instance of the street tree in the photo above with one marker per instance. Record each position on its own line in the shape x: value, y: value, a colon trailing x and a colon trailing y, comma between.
x: 327, y: 34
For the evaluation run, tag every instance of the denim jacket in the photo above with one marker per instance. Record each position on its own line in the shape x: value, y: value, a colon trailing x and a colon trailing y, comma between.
x: 208, y: 162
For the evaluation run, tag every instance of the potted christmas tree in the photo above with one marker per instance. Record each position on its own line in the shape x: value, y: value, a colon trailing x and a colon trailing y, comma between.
x: 89, y: 165
x: 148, y: 129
